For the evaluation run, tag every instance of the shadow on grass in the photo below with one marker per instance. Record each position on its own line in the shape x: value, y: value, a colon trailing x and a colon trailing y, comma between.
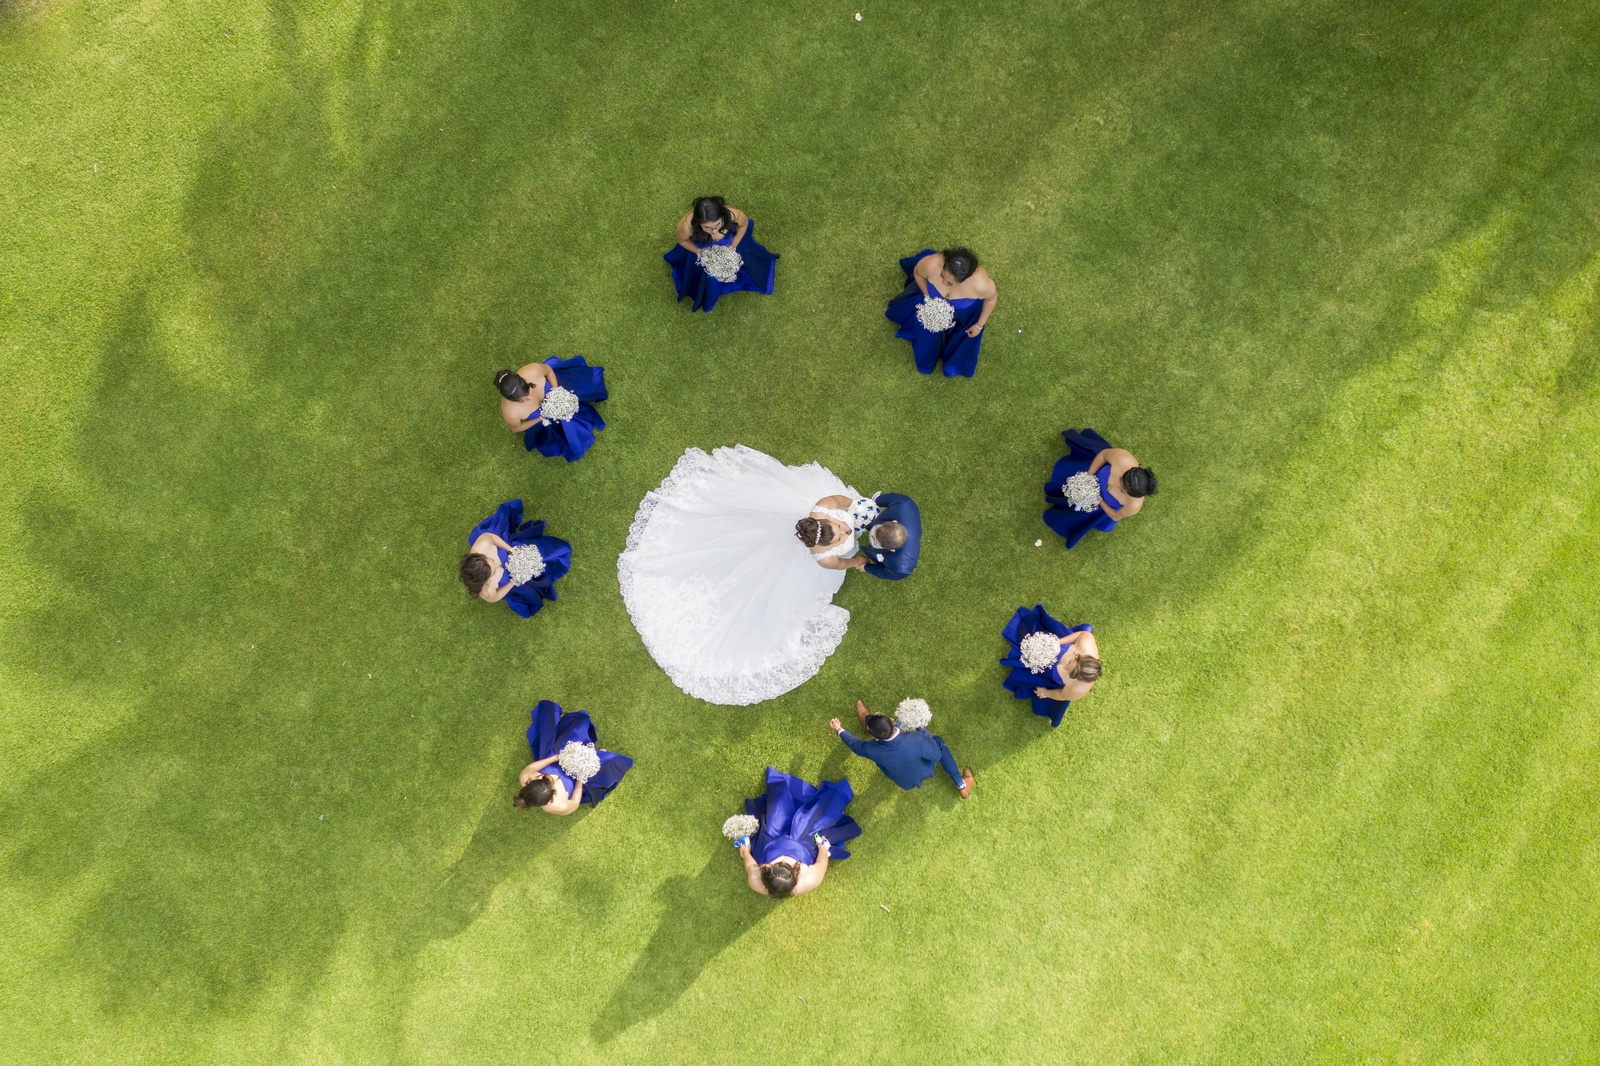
x: 701, y: 916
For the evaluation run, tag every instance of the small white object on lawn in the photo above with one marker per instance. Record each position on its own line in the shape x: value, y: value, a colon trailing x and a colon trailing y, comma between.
x: 858, y: 16
x: 1038, y: 544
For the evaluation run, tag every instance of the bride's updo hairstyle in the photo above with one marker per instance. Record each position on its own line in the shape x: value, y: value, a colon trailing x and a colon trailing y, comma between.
x: 780, y: 879
x: 475, y: 570
x: 812, y: 532
x: 1139, y: 481
x: 959, y: 262
x: 706, y: 210
x: 511, y: 385
x: 1087, y: 669
x: 536, y: 793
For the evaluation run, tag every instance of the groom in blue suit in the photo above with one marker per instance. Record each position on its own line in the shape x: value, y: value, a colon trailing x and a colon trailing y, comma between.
x: 894, y: 539
x: 906, y: 757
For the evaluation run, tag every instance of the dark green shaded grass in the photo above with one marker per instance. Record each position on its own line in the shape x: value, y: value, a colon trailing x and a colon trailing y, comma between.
x: 1331, y: 270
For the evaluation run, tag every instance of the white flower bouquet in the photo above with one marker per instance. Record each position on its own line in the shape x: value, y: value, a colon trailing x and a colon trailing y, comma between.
x: 739, y: 826
x: 721, y: 262
x: 1040, y: 651
x: 559, y: 405
x: 913, y: 714
x: 936, y: 315
x: 524, y: 563
x: 579, y: 761
x: 1082, y: 491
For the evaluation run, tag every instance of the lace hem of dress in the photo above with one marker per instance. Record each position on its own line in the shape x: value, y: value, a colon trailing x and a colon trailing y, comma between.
x: 820, y: 638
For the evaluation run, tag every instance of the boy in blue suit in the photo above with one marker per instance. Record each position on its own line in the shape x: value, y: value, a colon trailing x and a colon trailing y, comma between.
x: 907, y: 757
x: 894, y: 539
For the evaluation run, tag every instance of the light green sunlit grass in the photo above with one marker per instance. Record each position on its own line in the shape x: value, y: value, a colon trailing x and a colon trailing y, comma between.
x: 1331, y: 269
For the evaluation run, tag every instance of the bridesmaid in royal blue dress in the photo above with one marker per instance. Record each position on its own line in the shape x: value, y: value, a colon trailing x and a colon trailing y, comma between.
x: 522, y: 391
x: 785, y: 858
x: 953, y: 275
x: 543, y: 783
x: 1123, y: 486
x: 1076, y: 669
x: 486, y: 569
x: 711, y: 221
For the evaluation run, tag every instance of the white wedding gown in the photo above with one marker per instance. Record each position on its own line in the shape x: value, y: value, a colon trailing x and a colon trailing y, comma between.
x: 729, y: 602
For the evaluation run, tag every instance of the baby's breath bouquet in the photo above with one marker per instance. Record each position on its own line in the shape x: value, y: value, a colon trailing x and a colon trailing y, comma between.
x: 579, y: 761
x: 721, y: 262
x: 936, y: 315
x: 913, y: 714
x: 559, y: 405
x: 524, y: 563
x: 740, y: 826
x: 1040, y: 651
x: 1082, y: 491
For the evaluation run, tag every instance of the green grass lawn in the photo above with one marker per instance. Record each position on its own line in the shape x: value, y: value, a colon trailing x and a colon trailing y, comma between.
x: 1331, y: 269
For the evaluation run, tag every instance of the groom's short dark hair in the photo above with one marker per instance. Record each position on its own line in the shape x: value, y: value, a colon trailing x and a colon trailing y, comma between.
x: 880, y: 726
x: 891, y: 535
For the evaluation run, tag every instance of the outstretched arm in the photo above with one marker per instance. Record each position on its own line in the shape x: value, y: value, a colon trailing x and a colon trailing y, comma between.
x: 752, y: 870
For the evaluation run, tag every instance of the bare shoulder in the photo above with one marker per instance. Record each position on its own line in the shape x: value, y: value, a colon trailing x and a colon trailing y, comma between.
x: 984, y: 283
x: 531, y: 368
x: 738, y: 215
x: 1121, y: 458
x: 1133, y: 506
x: 683, y: 224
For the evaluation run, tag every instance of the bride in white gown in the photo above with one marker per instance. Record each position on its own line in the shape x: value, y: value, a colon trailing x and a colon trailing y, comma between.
x: 729, y: 600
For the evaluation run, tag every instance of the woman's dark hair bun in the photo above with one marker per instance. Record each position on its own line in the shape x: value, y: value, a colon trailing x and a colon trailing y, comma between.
x: 536, y: 793
x: 1139, y: 481
x: 812, y: 532
x: 960, y: 262
x: 780, y: 879
x: 475, y: 570
x: 510, y: 384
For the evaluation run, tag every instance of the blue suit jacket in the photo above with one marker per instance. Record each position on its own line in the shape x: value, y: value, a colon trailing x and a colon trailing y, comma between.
x: 908, y: 759
x: 898, y: 563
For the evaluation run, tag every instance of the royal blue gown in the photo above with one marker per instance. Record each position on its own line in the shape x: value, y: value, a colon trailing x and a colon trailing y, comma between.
x: 793, y: 811
x: 570, y: 439
x: 507, y: 524
x: 959, y: 351
x: 1082, y: 446
x: 1021, y: 681
x: 758, y: 273
x: 553, y: 729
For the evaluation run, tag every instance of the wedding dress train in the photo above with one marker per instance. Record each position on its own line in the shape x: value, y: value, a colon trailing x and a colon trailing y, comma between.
x: 728, y: 601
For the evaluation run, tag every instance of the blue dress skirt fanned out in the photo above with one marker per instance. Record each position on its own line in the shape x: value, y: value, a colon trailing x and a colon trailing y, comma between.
x: 1019, y: 680
x: 1073, y: 525
x: 507, y: 524
x: 570, y: 439
x: 758, y: 273
x: 793, y: 811
x: 958, y: 351
x: 553, y: 729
